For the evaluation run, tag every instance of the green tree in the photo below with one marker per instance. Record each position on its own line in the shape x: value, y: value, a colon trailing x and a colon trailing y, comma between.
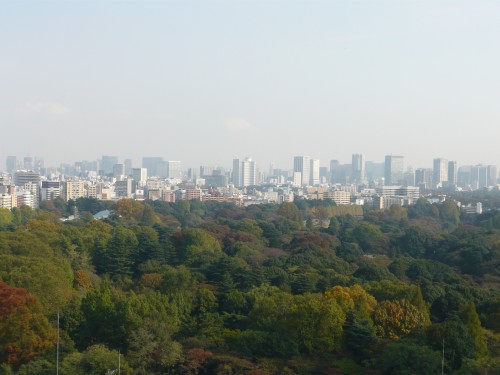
x: 116, y: 257
x: 95, y: 360
x: 409, y: 357
x: 359, y: 335
x: 474, y: 328
x: 6, y: 217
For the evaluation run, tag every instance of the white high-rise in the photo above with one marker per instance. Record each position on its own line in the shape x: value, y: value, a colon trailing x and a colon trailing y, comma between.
x: 314, y: 172
x: 244, y: 172
x: 302, y: 164
x: 440, y: 171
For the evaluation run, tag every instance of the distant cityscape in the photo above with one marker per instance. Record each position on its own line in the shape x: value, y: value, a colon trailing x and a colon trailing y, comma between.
x: 27, y: 181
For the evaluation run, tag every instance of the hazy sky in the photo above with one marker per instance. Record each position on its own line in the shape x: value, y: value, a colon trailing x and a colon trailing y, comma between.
x: 206, y: 81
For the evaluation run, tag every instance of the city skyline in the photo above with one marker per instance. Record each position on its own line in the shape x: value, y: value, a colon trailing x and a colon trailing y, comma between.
x: 291, y: 165
x: 324, y: 78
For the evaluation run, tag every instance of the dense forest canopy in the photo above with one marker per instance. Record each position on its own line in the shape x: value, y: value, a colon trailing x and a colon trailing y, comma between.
x: 209, y: 288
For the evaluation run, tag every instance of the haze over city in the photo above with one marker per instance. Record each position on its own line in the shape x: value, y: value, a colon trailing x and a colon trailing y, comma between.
x: 204, y: 82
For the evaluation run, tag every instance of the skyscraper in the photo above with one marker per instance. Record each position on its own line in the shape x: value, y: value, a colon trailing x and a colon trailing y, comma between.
x: 302, y: 164
x: 423, y: 178
x: 440, y: 172
x: 107, y: 163
x: 174, y: 169
x: 314, y: 172
x: 236, y: 176
x: 492, y: 175
x: 244, y: 172
x: 358, y: 168
x: 11, y: 164
x: 394, y: 167
x: 152, y: 164
x: 128, y: 166
x: 248, y: 172
x: 452, y: 172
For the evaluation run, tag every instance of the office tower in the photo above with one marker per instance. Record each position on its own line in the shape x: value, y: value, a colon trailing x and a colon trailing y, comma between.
x: 128, y: 167
x: 140, y: 175
x: 107, y: 163
x: 409, y: 177
x: 464, y: 176
x: 236, y: 176
x: 244, y: 172
x: 394, y: 167
x: 323, y: 174
x: 334, y: 171
x: 492, y: 175
x: 11, y: 164
x: 423, y: 178
x: 249, y: 175
x: 153, y: 164
x: 452, y: 172
x: 440, y: 172
x: 358, y: 168
x: 174, y: 169
x: 161, y: 169
x: 374, y: 171
x: 302, y: 164
x: 118, y: 170
x: 206, y: 170
x: 28, y: 163
x: 314, y: 172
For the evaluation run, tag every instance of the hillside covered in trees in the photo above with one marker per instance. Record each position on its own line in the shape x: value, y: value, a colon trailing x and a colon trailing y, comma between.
x: 209, y: 288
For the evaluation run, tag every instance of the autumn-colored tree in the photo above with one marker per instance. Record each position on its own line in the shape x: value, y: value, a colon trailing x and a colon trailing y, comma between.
x: 394, y: 319
x: 196, y: 358
x: 355, y: 298
x: 129, y: 210
x: 24, y: 330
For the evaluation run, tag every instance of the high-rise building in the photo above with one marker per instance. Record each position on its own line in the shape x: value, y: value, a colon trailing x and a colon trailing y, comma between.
x: 409, y: 177
x: 452, y: 172
x: 107, y: 163
x: 464, y: 176
x: 28, y: 163
x: 244, y: 172
x: 236, y: 174
x: 118, y: 170
x: 174, y: 169
x: 394, y: 168
x: 423, y: 178
x: 314, y: 172
x: 249, y: 172
x: 302, y: 164
x: 140, y: 175
x: 374, y: 171
x: 492, y: 175
x: 440, y: 172
x: 128, y: 167
x: 152, y: 164
x: 358, y: 168
x: 11, y: 164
